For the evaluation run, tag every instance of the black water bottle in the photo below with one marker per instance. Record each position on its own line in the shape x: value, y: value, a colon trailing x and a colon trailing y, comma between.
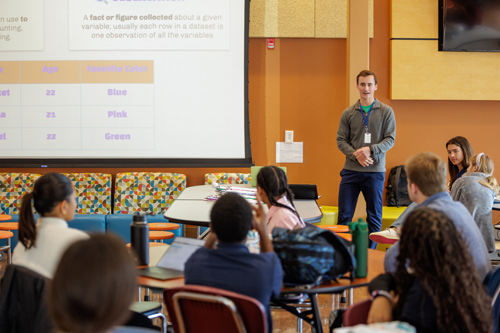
x: 139, y: 232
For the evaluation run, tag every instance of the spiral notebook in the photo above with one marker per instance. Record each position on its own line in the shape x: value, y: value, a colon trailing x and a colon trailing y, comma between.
x: 171, y: 264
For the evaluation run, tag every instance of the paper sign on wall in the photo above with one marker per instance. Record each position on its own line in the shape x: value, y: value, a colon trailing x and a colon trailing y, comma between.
x: 289, y: 152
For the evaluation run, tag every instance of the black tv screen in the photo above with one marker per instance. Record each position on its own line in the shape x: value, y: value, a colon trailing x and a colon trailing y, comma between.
x: 469, y: 25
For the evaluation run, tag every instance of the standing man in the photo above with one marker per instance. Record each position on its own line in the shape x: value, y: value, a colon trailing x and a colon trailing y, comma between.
x: 367, y: 130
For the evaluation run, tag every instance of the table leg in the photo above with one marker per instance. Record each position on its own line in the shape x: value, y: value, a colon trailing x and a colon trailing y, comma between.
x: 316, y: 325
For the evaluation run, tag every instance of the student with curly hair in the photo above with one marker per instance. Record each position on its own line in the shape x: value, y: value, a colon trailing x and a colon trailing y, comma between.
x: 436, y: 283
x: 272, y: 186
x: 476, y: 190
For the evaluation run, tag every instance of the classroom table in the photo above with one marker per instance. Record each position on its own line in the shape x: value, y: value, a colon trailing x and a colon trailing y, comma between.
x: 375, y: 267
x: 192, y: 208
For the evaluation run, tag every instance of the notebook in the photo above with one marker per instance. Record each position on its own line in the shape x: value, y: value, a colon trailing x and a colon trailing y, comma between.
x: 171, y: 264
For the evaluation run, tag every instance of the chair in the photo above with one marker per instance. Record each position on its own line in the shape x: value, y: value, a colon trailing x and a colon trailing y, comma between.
x: 227, y: 178
x: 146, y: 192
x: 93, y: 192
x: 304, y: 191
x: 195, y: 308
x: 151, y: 310
x: 357, y: 313
x: 23, y: 307
x: 12, y: 188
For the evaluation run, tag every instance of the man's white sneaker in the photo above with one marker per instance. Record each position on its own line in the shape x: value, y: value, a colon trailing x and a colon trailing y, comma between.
x: 388, y: 236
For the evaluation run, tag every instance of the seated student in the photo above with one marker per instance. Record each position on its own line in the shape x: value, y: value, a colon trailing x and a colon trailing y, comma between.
x: 93, y: 286
x: 426, y: 174
x: 229, y: 265
x: 459, y: 154
x: 41, y: 245
x: 437, y: 286
x: 477, y: 190
x: 272, y: 186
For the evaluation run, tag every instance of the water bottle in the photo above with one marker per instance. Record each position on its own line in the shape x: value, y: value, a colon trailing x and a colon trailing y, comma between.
x: 139, y: 232
x: 359, y: 231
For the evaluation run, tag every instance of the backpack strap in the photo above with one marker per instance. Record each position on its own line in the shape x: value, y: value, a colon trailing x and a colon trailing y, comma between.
x: 396, y: 184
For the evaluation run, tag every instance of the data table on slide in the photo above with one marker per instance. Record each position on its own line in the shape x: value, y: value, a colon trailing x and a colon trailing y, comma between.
x: 77, y: 105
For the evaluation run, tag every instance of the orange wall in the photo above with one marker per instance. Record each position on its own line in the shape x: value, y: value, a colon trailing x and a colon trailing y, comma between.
x: 313, y: 95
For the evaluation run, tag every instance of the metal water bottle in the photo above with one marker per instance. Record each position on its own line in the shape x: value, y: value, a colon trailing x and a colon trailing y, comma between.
x: 359, y: 231
x: 139, y: 233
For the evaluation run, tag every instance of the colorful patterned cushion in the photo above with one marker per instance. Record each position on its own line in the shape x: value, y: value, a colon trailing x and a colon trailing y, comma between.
x: 227, y: 178
x: 12, y: 188
x: 148, y: 192
x: 93, y: 192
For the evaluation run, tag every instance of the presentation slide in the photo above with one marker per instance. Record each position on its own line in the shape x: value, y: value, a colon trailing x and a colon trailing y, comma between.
x: 108, y: 80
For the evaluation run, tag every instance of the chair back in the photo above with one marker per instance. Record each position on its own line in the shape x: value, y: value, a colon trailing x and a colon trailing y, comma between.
x: 357, y: 313
x: 23, y: 306
x: 93, y: 192
x: 12, y: 188
x: 147, y: 192
x: 194, y: 308
x: 227, y: 178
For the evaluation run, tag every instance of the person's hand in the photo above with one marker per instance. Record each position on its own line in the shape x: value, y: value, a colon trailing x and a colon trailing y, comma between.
x: 363, y: 156
x: 380, y: 311
x: 259, y: 216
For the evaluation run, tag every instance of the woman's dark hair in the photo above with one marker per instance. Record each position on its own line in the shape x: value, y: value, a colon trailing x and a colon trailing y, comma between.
x: 440, y: 260
x: 272, y: 180
x: 93, y: 285
x: 464, y: 144
x: 49, y: 190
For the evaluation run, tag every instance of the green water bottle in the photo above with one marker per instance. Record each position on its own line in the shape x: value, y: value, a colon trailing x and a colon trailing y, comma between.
x: 359, y: 231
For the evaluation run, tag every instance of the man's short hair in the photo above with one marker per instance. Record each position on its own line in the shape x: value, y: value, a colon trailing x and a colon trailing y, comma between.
x: 231, y: 218
x: 428, y: 172
x: 364, y: 73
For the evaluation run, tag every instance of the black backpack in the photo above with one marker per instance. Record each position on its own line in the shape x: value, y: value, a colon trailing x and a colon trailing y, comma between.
x: 312, y: 255
x: 397, y: 191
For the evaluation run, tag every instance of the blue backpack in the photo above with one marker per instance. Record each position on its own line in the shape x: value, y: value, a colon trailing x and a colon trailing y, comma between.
x: 312, y: 255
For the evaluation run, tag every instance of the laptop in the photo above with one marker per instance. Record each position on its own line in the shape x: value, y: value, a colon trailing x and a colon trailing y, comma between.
x: 171, y: 264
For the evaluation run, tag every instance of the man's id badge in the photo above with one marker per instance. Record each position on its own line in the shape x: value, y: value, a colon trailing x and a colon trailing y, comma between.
x: 368, y: 138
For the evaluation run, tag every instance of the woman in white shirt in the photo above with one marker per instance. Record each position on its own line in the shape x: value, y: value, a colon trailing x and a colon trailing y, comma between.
x: 42, y: 244
x: 272, y: 187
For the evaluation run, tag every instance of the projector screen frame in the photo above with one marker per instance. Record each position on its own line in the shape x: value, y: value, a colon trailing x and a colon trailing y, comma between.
x: 147, y: 162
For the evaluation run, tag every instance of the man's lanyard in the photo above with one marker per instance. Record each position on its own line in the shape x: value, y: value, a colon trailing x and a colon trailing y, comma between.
x: 367, y: 115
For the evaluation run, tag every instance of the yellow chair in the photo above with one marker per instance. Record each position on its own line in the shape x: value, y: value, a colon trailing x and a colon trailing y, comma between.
x: 330, y: 215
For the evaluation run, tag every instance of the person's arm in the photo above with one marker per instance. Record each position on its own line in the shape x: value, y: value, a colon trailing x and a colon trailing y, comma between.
x: 382, y: 291
x: 343, y: 135
x: 259, y: 224
x: 389, y: 134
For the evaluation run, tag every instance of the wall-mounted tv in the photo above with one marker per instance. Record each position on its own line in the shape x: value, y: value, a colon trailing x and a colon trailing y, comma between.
x: 469, y: 25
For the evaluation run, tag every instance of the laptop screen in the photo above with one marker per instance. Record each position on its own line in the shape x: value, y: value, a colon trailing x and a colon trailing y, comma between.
x: 179, y: 252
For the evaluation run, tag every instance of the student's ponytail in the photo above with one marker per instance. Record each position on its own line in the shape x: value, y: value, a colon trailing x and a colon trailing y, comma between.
x: 27, y: 227
x: 48, y: 192
x: 273, y: 181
